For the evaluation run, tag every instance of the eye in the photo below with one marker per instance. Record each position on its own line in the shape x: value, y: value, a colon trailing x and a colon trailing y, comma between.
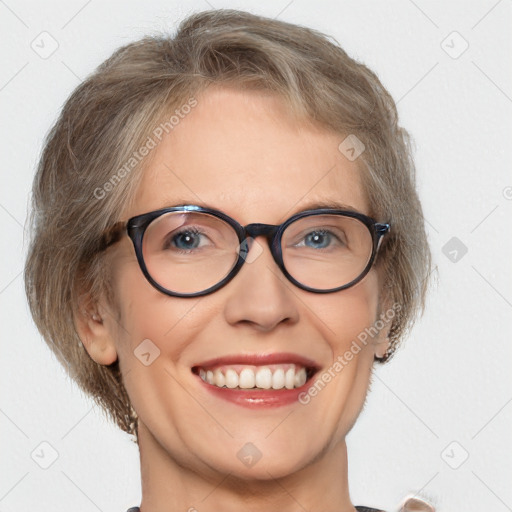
x: 185, y: 240
x: 318, y: 239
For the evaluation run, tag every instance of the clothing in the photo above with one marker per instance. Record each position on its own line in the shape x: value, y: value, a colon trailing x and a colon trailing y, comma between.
x: 358, y: 508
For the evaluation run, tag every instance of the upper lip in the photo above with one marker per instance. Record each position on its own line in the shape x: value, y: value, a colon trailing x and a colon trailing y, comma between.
x: 260, y: 360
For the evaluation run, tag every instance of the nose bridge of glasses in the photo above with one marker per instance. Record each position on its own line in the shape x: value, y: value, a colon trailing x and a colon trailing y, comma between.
x: 257, y: 229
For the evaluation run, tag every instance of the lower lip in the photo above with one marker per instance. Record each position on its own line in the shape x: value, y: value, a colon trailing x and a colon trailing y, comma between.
x: 265, y: 398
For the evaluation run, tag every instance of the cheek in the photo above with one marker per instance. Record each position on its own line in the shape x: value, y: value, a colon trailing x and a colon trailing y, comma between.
x: 148, y: 319
x: 345, y: 321
x: 347, y: 315
x: 152, y: 332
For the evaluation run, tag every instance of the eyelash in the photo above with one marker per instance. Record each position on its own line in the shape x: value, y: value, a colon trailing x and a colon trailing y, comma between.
x: 188, y: 229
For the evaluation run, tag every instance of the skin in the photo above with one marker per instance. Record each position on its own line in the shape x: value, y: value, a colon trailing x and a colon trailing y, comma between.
x: 240, y: 152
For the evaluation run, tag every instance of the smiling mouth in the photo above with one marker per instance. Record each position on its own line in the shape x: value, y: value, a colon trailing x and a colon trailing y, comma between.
x: 251, y: 377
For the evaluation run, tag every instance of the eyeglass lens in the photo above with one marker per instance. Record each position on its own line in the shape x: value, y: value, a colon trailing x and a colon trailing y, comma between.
x: 189, y: 252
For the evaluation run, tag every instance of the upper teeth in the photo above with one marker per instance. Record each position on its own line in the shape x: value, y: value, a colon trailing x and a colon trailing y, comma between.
x: 261, y: 377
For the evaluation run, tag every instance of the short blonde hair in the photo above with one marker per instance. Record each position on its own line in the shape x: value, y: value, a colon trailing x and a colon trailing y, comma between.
x: 83, y: 181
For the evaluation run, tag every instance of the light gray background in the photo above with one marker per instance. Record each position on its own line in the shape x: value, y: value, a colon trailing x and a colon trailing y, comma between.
x: 446, y: 395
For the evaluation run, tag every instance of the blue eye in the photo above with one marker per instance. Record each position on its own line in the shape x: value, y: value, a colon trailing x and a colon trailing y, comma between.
x: 318, y: 239
x: 186, y: 240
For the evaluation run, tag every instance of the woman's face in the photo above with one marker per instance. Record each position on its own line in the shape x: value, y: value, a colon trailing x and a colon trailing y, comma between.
x: 240, y: 153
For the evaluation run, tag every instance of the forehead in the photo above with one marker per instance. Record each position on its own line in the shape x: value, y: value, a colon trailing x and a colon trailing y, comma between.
x: 242, y: 152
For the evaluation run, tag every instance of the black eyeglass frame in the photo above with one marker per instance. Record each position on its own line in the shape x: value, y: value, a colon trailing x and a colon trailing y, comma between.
x: 136, y: 226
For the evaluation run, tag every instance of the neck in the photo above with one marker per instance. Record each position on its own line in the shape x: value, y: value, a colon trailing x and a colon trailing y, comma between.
x: 168, y: 486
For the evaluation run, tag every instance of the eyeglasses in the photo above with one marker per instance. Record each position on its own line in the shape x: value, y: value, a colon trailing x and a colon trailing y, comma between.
x: 189, y: 251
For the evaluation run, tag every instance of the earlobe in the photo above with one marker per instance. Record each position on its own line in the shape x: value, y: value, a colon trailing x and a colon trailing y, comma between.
x: 95, y: 334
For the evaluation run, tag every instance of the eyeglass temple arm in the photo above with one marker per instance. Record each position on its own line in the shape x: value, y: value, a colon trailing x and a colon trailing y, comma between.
x: 382, y: 229
x: 112, y: 235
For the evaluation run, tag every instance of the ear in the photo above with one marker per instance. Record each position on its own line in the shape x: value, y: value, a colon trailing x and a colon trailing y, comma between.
x: 94, y: 324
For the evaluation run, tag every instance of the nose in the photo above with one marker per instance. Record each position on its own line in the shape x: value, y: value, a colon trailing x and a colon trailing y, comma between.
x: 260, y: 295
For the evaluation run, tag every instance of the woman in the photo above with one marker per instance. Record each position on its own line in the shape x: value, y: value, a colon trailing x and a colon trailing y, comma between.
x: 226, y: 238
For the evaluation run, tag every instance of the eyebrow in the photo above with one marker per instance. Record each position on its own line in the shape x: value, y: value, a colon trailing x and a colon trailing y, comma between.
x: 326, y: 203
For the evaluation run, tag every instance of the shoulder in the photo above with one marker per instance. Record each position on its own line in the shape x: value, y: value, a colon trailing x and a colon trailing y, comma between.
x: 409, y: 505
